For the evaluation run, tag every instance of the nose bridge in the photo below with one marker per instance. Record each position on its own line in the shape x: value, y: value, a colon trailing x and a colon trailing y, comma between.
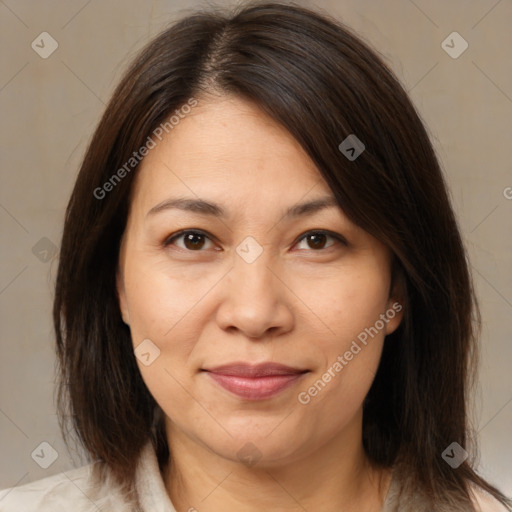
x: 254, y: 301
x: 252, y: 269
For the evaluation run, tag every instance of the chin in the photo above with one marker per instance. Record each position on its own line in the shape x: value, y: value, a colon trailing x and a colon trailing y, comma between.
x: 259, y: 447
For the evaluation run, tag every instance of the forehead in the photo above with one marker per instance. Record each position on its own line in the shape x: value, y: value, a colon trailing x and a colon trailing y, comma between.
x: 228, y: 147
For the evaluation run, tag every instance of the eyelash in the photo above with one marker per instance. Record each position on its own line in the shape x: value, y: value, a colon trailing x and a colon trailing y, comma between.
x: 169, y: 241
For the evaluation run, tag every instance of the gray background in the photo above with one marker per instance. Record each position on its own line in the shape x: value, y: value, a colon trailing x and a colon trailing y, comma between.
x: 51, y: 106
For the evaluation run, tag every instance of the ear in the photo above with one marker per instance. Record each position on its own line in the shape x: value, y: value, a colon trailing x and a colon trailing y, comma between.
x: 396, y: 301
x: 121, y: 295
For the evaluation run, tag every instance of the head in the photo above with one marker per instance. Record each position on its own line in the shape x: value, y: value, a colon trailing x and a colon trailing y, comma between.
x: 242, y: 117
x: 252, y: 284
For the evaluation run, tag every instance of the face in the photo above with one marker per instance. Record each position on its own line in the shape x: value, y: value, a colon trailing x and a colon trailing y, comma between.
x: 260, y: 321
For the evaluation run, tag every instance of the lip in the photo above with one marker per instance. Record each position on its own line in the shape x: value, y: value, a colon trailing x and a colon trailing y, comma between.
x: 255, y: 382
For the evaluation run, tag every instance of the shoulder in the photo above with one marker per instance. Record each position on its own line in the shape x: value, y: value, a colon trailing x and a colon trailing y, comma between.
x: 70, y: 490
x: 403, y: 494
x: 484, y: 502
x: 52, y: 493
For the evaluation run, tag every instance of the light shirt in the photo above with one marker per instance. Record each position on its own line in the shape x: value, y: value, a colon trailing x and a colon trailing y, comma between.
x: 71, y: 491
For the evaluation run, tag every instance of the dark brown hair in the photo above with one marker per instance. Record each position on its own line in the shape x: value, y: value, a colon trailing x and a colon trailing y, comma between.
x: 316, y: 78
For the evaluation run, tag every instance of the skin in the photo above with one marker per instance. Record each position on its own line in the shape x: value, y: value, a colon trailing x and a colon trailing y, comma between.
x: 300, y: 303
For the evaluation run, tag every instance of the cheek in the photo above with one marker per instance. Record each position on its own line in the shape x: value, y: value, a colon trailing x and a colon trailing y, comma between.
x: 163, y: 300
x: 161, y: 311
x: 350, y: 309
x: 332, y: 398
x: 345, y: 302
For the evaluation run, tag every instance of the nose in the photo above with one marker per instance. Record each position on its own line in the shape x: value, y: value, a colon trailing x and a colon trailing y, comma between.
x: 255, y: 300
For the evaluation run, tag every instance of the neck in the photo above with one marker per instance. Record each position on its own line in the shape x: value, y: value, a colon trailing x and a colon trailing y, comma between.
x: 335, y: 477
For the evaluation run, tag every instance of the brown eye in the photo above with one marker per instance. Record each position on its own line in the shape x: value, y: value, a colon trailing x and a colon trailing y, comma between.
x: 316, y: 240
x: 191, y: 240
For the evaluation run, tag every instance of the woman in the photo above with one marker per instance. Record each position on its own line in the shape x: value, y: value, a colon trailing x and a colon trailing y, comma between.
x: 263, y: 300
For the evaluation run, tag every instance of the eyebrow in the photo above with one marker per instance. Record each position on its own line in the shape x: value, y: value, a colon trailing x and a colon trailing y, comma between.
x: 210, y: 208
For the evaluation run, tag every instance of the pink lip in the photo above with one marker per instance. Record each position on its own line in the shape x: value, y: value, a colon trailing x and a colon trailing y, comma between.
x: 255, y: 382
